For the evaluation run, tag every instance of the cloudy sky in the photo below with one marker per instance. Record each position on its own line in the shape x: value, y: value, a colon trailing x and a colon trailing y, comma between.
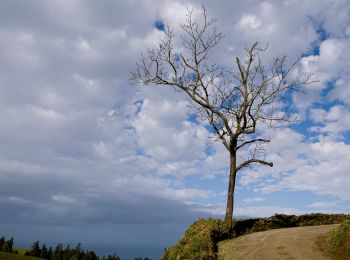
x: 85, y: 156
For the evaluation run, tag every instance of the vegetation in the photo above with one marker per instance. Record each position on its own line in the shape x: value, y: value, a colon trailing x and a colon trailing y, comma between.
x: 337, y: 241
x: 20, y: 251
x: 12, y: 256
x: 44, y: 252
x: 201, y: 239
x: 61, y: 253
x: 6, y: 245
x: 285, y: 221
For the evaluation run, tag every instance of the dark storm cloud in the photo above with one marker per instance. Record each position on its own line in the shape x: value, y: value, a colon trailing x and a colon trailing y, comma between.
x: 104, y: 209
x: 64, y: 66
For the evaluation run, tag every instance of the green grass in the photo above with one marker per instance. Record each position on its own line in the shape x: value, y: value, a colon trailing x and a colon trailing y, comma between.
x: 10, y: 256
x: 21, y: 251
x: 337, y: 242
x: 200, y: 241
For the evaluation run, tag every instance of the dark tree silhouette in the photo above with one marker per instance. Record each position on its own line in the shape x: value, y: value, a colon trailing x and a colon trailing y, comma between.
x: 44, y: 252
x: 35, y: 249
x: 2, y: 241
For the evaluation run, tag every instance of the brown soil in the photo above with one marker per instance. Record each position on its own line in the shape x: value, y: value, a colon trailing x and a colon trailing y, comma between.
x: 298, y: 243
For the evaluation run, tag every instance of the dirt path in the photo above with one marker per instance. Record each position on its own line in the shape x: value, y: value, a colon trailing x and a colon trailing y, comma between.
x: 288, y: 243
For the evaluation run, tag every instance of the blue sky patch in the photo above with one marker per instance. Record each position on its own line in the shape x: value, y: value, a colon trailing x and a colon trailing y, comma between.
x: 159, y: 24
x: 322, y: 36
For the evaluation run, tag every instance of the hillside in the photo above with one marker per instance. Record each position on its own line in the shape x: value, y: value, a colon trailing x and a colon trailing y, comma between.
x: 201, y: 239
x: 288, y: 243
x: 9, y: 256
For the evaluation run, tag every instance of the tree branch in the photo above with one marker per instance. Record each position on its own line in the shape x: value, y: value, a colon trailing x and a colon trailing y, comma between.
x: 248, y: 162
x: 253, y: 141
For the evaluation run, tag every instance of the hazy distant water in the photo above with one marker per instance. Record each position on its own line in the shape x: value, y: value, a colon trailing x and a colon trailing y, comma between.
x: 129, y: 253
x: 125, y: 253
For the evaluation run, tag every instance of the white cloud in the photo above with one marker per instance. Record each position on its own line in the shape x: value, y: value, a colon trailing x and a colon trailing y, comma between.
x: 323, y: 204
x: 331, y: 64
x: 341, y: 91
x: 249, y: 22
x: 165, y: 134
x: 252, y: 200
x: 63, y: 198
x: 21, y: 167
x: 333, y: 54
x: 262, y: 211
x: 334, y: 122
x: 319, y: 167
x: 267, y: 211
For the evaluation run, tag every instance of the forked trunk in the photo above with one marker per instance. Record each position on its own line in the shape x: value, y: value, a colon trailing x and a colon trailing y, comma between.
x: 231, y: 189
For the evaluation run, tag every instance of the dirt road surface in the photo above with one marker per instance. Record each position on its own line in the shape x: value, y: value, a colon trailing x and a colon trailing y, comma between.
x: 289, y: 243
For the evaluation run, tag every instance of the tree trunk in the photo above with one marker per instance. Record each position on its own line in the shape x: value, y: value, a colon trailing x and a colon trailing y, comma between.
x: 231, y: 188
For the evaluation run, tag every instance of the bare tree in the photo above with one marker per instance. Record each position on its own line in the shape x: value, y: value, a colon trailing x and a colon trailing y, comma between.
x: 233, y: 101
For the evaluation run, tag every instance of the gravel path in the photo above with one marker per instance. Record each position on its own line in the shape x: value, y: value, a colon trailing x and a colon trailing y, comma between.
x: 288, y: 243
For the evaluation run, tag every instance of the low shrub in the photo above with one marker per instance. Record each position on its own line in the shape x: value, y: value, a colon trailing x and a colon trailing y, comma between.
x: 274, y: 222
x: 338, y: 241
x: 286, y: 221
x: 315, y: 219
x: 199, y: 241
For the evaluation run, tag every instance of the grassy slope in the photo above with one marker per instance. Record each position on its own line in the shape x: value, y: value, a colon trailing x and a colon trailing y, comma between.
x: 9, y: 256
x: 201, y: 238
x: 21, y: 251
x: 337, y: 242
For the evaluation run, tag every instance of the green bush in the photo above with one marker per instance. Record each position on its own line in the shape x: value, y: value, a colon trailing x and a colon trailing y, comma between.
x: 247, y: 226
x: 315, y: 219
x: 274, y: 222
x: 199, y: 241
x: 338, y: 240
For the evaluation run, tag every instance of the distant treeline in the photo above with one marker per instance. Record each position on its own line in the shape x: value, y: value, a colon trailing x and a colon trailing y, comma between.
x: 6, y: 245
x: 60, y: 253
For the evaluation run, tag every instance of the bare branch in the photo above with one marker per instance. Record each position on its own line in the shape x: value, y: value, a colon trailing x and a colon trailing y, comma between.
x: 250, y: 161
x: 235, y: 101
x: 253, y: 141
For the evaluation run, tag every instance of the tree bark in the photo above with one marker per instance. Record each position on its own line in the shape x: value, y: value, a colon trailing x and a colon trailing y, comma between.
x: 231, y: 185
